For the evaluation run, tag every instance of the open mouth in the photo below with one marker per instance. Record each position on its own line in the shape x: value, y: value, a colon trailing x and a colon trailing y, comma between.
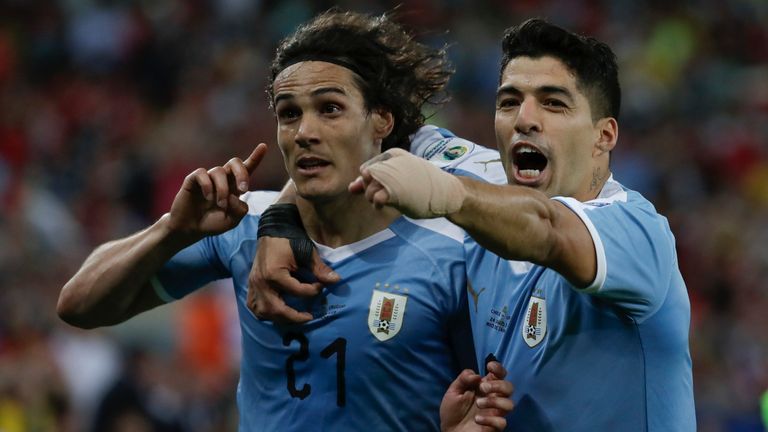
x: 310, y: 163
x: 529, y: 162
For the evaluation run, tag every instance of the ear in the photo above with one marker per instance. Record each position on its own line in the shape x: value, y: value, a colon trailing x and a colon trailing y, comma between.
x: 383, y: 122
x: 607, y: 129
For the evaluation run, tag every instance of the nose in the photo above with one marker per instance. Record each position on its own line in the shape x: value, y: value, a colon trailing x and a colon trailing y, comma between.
x: 307, y: 133
x: 528, y: 119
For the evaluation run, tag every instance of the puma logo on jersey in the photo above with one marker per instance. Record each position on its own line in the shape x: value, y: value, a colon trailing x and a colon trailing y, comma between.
x: 485, y: 163
x: 474, y: 294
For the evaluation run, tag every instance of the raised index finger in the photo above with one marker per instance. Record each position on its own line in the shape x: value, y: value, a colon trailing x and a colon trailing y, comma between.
x: 255, y: 158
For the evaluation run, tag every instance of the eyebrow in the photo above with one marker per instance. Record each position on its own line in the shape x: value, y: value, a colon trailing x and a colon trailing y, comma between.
x: 545, y: 89
x: 316, y: 92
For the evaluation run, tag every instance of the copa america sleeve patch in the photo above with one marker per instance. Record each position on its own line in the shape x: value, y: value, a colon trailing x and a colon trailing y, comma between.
x: 448, y: 150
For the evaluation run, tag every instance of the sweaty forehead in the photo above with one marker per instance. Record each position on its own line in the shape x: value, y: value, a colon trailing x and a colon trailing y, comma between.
x: 527, y: 74
x: 308, y: 76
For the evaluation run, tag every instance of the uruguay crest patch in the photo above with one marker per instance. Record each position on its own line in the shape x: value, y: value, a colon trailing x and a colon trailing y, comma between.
x: 535, y: 324
x: 386, y: 313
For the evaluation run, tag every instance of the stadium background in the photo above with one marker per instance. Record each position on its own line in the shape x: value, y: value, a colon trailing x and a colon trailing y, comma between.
x: 106, y: 105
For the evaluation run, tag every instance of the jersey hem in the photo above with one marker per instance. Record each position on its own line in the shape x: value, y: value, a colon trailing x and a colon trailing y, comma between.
x: 160, y: 290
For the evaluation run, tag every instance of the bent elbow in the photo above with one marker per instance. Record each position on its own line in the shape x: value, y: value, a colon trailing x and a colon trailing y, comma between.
x: 69, y: 310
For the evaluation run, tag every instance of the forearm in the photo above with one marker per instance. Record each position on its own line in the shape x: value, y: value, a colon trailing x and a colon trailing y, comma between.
x: 514, y: 222
x: 113, y: 283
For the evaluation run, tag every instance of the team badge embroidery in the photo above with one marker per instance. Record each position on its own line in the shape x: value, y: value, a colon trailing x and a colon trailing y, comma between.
x: 446, y: 150
x: 454, y: 152
x: 386, y: 313
x: 535, y: 325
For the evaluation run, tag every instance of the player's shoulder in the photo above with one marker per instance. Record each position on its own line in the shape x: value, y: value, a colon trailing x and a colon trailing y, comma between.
x: 247, y: 229
x: 620, y: 206
x: 627, y: 200
x: 258, y: 201
x: 615, y: 195
x: 430, y: 245
x: 440, y: 145
x: 457, y: 155
x: 429, y: 231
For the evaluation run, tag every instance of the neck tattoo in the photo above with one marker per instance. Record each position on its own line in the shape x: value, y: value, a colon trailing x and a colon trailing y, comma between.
x: 597, y: 180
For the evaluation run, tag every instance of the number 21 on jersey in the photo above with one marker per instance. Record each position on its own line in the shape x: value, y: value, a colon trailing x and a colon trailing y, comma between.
x: 337, y: 347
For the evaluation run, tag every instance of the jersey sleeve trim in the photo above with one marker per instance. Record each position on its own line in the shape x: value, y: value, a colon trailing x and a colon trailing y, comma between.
x: 602, y: 264
x: 160, y: 290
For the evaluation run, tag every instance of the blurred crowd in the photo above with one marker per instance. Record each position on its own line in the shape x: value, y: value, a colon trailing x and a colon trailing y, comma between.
x: 105, y: 105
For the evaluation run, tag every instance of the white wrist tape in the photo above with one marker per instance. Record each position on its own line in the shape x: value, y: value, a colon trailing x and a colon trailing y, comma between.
x: 416, y: 187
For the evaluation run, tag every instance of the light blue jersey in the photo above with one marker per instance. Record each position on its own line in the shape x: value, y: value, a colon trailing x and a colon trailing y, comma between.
x: 611, y: 357
x: 457, y: 155
x: 383, y: 346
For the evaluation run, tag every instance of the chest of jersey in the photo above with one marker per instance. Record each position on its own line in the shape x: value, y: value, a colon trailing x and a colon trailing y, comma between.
x: 559, y: 346
x: 382, y: 333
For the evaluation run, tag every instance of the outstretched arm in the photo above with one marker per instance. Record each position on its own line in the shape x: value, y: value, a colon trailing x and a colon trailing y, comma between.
x: 520, y: 223
x: 113, y: 283
x: 515, y: 222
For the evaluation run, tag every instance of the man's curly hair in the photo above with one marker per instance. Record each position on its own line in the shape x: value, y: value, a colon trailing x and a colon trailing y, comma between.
x: 394, y: 72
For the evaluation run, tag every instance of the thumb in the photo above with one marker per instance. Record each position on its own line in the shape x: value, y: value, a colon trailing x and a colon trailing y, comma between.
x: 466, y: 381
x: 357, y: 186
x: 322, y: 272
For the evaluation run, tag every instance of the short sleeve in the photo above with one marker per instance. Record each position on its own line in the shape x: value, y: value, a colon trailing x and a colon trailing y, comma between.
x: 209, y: 259
x: 190, y: 269
x: 635, y: 254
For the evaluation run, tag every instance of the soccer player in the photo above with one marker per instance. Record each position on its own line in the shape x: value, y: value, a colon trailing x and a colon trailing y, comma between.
x: 576, y: 288
x: 591, y: 316
x: 382, y: 347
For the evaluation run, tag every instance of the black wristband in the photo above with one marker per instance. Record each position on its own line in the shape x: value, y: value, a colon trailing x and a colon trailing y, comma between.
x: 284, y: 221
